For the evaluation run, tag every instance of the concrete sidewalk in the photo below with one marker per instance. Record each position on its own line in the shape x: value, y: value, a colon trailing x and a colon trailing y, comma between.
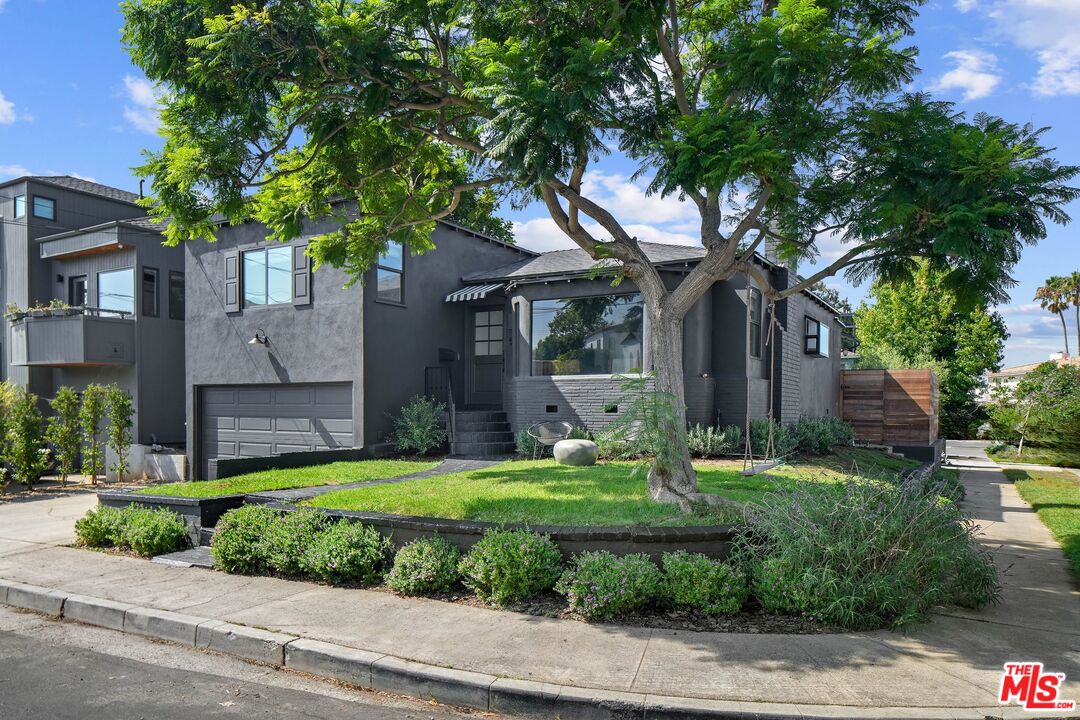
x: 950, y: 667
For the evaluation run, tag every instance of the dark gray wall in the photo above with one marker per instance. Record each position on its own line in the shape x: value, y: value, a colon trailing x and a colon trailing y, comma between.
x: 320, y: 342
x: 403, y: 340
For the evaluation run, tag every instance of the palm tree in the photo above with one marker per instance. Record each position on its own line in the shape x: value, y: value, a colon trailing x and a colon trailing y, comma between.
x: 1053, y: 297
x: 1074, y: 297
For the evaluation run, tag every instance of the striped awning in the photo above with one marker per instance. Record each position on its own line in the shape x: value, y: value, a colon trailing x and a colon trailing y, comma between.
x: 473, y: 292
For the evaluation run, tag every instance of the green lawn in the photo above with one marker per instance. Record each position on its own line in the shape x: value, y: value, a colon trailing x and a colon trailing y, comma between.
x: 332, y: 474
x: 1038, y: 456
x: 544, y: 493
x: 1056, y: 498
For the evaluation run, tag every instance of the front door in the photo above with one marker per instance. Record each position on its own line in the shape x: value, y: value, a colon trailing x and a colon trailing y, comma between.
x: 486, y: 366
x: 77, y: 291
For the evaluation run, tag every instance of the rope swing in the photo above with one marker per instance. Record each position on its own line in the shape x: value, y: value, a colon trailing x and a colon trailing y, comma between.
x: 770, y: 460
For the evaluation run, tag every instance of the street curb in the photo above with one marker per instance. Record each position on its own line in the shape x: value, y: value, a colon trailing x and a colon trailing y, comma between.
x: 377, y: 671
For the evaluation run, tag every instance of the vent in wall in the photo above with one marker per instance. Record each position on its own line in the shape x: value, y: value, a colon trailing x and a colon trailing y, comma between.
x: 553, y: 408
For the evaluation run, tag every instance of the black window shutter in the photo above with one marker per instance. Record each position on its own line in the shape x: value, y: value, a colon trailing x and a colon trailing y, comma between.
x: 232, y: 281
x: 301, y: 276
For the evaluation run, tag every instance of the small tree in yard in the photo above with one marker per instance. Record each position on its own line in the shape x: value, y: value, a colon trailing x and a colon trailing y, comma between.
x: 63, y: 431
x: 118, y: 410
x: 780, y: 120
x: 91, y: 414
x: 8, y: 395
x: 25, y: 451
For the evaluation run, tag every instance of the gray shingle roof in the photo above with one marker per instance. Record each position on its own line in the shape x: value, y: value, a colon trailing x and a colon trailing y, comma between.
x: 148, y: 224
x: 577, y: 261
x: 86, y: 186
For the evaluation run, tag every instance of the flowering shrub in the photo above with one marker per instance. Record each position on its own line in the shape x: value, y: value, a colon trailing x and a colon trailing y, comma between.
x: 238, y: 545
x: 508, y: 565
x: 141, y: 530
x: 287, y: 540
x: 347, y: 552
x: 424, y: 566
x: 873, y: 554
x: 695, y: 581
x: 600, y: 585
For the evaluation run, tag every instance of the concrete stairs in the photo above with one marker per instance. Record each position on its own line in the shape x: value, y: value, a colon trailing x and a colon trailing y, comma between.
x: 482, y: 433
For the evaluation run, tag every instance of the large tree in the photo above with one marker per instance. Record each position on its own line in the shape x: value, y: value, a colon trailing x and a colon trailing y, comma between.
x: 923, y: 322
x: 783, y: 118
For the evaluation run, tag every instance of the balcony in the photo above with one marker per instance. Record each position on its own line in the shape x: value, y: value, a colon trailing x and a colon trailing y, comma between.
x: 77, y: 337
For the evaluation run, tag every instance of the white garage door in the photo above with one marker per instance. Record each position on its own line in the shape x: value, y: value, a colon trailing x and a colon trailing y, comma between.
x: 261, y: 420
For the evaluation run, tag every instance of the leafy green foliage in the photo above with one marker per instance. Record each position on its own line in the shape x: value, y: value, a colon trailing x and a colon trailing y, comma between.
x: 419, y: 426
x: 925, y: 320
x: 600, y: 585
x: 1044, y: 408
x: 784, y: 442
x: 63, y: 431
x: 508, y: 565
x: 144, y: 531
x: 347, y: 552
x: 694, y: 581
x: 816, y: 436
x: 91, y: 414
x: 24, y: 447
x: 288, y: 539
x: 876, y: 555
x: 118, y: 411
x: 648, y: 425
x: 425, y: 566
x: 238, y: 546
x: 706, y: 442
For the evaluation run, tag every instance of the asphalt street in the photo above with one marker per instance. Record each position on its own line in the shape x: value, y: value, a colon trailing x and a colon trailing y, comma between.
x: 52, y: 670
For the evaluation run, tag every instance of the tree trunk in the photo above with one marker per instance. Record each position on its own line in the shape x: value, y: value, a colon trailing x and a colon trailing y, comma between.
x: 1078, y: 328
x: 1065, y: 332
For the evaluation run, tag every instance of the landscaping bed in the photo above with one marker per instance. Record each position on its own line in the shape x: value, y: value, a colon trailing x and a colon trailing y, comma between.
x: 1055, y: 496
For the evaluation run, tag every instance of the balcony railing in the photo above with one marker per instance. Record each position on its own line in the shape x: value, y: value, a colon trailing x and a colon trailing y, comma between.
x: 72, y: 337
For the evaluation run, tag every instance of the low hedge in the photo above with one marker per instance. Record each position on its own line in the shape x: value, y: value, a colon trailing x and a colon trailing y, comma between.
x: 425, y: 566
x: 600, y: 585
x: 509, y: 565
x: 143, y: 531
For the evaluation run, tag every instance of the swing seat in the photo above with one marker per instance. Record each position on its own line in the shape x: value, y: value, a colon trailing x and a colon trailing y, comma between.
x: 758, y: 469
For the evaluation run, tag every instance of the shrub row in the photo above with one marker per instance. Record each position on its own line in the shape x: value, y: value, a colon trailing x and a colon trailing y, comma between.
x: 139, y: 529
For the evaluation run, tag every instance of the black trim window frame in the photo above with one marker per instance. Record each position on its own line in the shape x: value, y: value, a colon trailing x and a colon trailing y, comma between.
x: 34, y: 207
x: 266, y: 270
x: 812, y: 337
x: 155, y: 297
x: 176, y: 299
x: 755, y: 322
x: 19, y: 206
x: 73, y: 283
x: 387, y: 269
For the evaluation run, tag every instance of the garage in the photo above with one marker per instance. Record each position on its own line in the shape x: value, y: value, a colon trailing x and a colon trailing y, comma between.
x: 239, y: 421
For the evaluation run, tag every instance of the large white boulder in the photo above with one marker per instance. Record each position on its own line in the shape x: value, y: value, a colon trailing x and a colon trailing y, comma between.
x: 575, y: 452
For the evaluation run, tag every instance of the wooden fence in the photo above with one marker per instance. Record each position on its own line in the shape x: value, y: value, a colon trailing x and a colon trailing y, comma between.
x: 891, y: 406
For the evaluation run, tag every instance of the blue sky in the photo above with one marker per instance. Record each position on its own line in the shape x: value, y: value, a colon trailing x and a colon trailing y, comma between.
x: 72, y: 103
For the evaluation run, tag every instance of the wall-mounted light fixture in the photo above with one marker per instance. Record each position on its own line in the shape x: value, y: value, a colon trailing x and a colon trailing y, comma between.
x: 259, y: 339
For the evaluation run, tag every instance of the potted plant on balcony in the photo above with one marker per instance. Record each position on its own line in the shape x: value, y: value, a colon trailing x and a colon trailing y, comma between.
x: 38, y: 310
x: 14, y: 312
x: 59, y: 308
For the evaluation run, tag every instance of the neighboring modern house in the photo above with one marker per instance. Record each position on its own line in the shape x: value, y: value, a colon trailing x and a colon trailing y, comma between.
x: 281, y: 359
x: 1008, y: 378
x: 118, y: 295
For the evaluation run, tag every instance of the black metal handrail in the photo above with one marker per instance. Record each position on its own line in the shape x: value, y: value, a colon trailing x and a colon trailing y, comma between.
x: 438, y: 383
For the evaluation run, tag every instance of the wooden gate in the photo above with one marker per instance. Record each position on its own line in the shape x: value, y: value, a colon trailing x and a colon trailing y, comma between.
x: 888, y: 407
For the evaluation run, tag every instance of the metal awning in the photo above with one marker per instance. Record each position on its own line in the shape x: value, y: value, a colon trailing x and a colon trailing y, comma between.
x: 473, y: 292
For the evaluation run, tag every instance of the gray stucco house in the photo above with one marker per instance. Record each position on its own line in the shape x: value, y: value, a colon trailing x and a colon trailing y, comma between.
x: 90, y: 247
x: 283, y: 359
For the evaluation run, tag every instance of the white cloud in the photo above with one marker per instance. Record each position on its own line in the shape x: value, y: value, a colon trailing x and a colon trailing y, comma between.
x: 975, y: 73
x: 7, y: 110
x: 144, y: 111
x: 1021, y: 309
x: 1050, y: 30
x: 966, y: 5
x: 543, y: 235
x: 13, y: 171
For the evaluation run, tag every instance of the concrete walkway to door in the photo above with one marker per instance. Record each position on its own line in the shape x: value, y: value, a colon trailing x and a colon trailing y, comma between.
x: 948, y: 668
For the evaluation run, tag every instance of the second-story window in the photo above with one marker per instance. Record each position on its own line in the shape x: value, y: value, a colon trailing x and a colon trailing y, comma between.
x: 176, y: 295
x: 44, y: 208
x: 150, y: 292
x: 267, y: 276
x: 20, y: 206
x: 389, y: 275
x: 116, y: 290
x: 755, y: 322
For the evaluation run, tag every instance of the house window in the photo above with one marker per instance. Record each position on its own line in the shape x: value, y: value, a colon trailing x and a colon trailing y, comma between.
x: 755, y: 322
x: 176, y: 295
x: 268, y: 276
x: 44, y: 208
x: 587, y: 336
x: 389, y: 275
x: 488, y: 333
x: 116, y: 290
x: 817, y: 338
x: 20, y: 206
x: 150, y: 292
